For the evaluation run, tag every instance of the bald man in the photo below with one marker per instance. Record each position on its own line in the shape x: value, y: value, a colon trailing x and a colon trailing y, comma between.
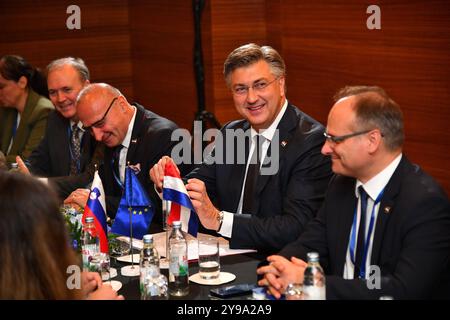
x: 131, y: 134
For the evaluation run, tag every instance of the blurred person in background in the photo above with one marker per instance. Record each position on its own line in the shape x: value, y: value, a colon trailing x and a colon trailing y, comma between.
x: 24, y: 107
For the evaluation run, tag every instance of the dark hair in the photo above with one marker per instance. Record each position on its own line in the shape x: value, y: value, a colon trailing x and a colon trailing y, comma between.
x: 251, y: 53
x: 34, y: 246
x: 375, y: 109
x: 13, y: 67
x: 77, y: 63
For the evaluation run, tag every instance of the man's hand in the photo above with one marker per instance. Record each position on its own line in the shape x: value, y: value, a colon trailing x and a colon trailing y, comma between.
x: 78, y: 198
x: 280, y: 273
x: 21, y: 165
x: 206, y: 211
x: 157, y: 172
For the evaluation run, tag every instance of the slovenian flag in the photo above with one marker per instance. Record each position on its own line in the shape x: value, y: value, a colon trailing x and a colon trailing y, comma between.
x: 96, y: 208
x: 181, y: 206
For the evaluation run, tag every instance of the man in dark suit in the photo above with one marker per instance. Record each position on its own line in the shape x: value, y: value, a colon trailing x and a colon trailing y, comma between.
x: 131, y: 135
x: 402, y: 248
x: 64, y: 154
x: 265, y: 200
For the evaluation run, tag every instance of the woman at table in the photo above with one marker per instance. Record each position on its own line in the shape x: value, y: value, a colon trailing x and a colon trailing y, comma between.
x: 34, y: 246
x: 24, y: 107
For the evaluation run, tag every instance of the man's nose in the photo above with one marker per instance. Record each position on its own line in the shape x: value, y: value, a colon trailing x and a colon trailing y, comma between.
x: 97, y: 133
x: 251, y: 95
x: 327, y: 148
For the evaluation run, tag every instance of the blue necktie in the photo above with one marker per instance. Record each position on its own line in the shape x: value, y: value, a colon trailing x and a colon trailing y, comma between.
x: 361, y: 232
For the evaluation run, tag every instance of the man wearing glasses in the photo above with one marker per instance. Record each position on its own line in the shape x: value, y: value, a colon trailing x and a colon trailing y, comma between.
x: 256, y: 209
x: 384, y: 227
x: 132, y: 136
x: 64, y: 155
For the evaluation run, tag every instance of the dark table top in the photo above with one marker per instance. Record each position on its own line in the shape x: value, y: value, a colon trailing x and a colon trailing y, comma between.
x: 242, y: 265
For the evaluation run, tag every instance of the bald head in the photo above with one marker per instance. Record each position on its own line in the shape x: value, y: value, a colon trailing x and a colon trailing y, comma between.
x: 105, y: 112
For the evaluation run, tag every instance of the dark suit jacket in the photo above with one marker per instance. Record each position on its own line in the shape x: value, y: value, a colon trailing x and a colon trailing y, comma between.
x: 150, y: 140
x: 411, y: 241
x: 31, y: 127
x: 286, y: 200
x: 52, y: 157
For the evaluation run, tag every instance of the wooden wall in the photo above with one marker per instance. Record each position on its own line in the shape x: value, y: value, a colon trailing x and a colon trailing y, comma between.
x: 37, y: 31
x: 145, y: 48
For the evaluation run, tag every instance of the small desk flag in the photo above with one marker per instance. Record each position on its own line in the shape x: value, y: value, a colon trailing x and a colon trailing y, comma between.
x: 96, y: 208
x: 136, y: 201
x: 181, y: 205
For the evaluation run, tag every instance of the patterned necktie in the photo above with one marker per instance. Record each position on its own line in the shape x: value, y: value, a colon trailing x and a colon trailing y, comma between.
x: 75, y: 142
x: 252, y: 176
x: 361, y: 232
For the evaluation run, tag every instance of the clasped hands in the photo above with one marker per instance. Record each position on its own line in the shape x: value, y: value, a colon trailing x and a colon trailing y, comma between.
x: 280, y: 272
x: 207, y: 213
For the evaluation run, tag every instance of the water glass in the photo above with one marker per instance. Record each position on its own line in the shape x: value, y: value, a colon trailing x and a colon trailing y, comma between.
x: 208, y: 258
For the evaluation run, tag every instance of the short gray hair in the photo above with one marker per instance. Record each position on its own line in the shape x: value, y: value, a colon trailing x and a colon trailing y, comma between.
x: 77, y: 63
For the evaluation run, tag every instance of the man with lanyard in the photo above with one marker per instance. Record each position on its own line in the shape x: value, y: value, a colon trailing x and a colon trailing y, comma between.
x: 64, y: 155
x: 384, y: 228
x: 132, y: 136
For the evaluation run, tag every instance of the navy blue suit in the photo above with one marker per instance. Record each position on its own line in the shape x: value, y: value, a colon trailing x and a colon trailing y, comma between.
x: 411, y: 243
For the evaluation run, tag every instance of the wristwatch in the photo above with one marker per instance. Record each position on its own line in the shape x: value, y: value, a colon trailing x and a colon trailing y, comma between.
x: 220, y: 220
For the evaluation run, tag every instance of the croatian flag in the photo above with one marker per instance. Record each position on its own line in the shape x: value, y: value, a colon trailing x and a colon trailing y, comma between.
x: 181, y: 206
x: 96, y: 208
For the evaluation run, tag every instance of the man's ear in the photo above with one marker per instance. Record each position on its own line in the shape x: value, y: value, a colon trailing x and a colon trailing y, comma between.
x: 375, y: 138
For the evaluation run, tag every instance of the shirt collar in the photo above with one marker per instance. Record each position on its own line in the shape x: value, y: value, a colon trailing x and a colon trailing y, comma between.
x: 374, y: 186
x: 270, y: 131
x: 79, y: 125
x: 127, y: 139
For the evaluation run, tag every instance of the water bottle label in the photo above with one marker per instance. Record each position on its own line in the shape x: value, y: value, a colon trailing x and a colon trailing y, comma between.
x: 88, y: 251
x: 178, y: 265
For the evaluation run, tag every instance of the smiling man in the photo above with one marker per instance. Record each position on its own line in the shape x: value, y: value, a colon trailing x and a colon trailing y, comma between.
x: 132, y: 135
x: 384, y: 227
x: 239, y: 200
x: 64, y: 154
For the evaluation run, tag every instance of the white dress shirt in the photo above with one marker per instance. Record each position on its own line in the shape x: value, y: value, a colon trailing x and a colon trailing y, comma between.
x: 125, y: 145
x: 373, y: 188
x: 227, y: 224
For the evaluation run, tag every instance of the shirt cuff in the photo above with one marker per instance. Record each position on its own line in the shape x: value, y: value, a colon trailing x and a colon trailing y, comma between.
x: 227, y: 224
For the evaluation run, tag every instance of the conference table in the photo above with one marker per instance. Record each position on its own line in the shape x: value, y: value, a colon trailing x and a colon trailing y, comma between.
x: 242, y: 265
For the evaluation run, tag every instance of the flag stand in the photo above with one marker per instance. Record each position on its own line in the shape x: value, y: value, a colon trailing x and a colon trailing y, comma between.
x: 130, y: 271
x: 164, y: 262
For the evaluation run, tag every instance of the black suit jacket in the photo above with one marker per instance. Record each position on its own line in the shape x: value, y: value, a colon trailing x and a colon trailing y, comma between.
x: 150, y: 140
x: 411, y: 242
x: 52, y: 157
x: 286, y: 200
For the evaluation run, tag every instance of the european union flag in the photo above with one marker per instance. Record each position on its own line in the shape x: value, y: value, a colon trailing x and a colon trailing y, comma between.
x: 135, y: 201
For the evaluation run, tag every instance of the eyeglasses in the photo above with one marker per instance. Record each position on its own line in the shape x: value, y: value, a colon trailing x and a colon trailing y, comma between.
x: 258, y: 86
x: 339, y: 139
x: 100, y: 123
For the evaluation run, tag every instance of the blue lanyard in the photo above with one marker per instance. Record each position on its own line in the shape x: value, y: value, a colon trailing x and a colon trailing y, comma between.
x: 69, y: 133
x: 362, y: 272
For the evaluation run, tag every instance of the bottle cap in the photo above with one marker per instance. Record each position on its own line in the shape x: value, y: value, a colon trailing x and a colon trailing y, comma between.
x: 89, y: 219
x: 313, y: 256
x: 148, y: 238
x: 176, y: 224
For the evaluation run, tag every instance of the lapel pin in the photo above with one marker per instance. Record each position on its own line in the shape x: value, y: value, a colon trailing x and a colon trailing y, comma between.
x: 387, y: 210
x: 283, y: 143
x: 133, y: 140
